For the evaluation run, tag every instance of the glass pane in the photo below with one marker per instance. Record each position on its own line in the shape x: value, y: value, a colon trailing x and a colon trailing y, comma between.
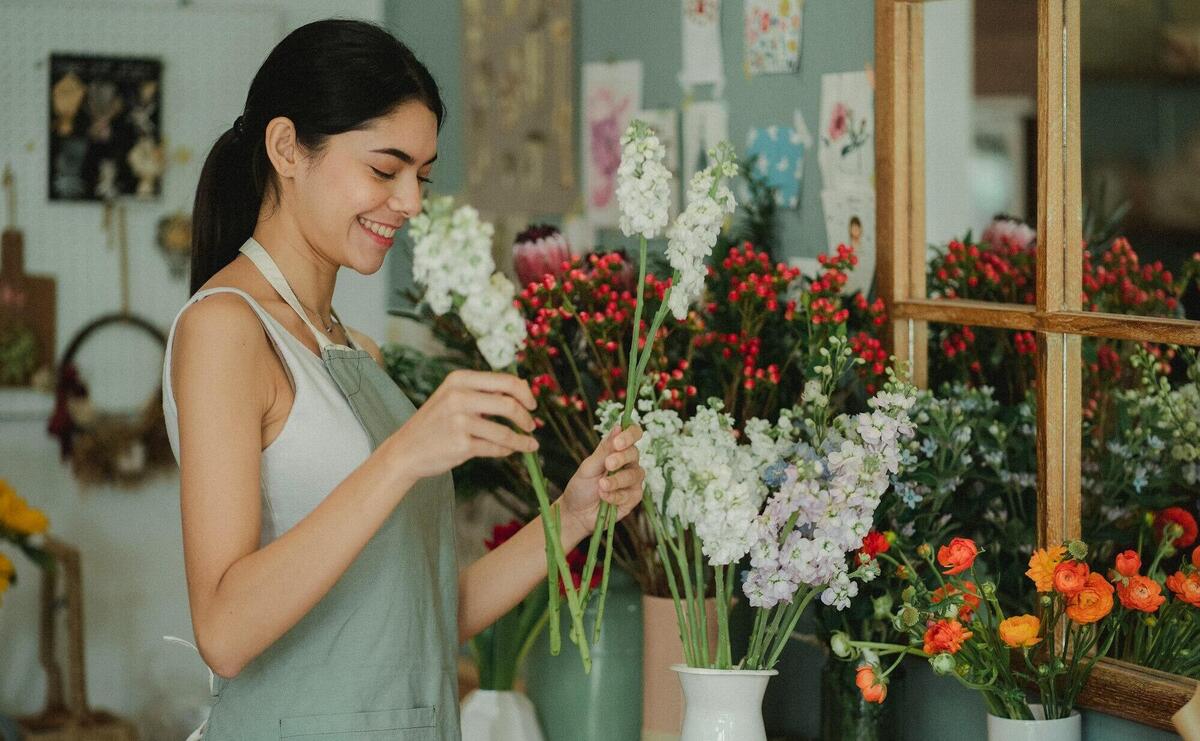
x: 981, y: 148
x: 989, y: 374
x: 1140, y: 147
x: 1140, y: 475
x: 981, y: 102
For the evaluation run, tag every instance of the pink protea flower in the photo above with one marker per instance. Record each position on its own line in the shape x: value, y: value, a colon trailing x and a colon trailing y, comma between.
x: 1004, y: 231
x: 538, y: 251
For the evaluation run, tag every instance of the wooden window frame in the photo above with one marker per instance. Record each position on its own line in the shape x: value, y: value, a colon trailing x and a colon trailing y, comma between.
x: 1118, y: 688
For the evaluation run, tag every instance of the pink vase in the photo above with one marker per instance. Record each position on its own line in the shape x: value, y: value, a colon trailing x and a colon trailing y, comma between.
x: 662, y: 696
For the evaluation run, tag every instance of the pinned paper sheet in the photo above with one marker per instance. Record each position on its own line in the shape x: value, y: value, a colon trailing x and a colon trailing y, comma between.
x: 850, y: 220
x: 664, y: 122
x: 704, y: 125
x: 612, y: 93
x: 847, y: 131
x: 702, y: 59
x: 773, y: 36
x: 777, y: 156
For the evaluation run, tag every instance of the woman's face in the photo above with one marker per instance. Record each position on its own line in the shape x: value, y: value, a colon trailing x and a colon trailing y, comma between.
x: 359, y: 190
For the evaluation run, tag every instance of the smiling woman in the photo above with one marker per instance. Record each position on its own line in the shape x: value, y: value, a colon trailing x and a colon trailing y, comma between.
x: 316, y: 501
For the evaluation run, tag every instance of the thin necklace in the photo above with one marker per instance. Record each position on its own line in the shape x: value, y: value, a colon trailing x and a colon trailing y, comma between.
x: 328, y: 327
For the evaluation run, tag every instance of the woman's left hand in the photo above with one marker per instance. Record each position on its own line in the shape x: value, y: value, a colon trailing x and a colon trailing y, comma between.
x: 617, y: 455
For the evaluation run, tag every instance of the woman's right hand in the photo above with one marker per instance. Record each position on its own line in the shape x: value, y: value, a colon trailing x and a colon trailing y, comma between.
x: 453, y: 425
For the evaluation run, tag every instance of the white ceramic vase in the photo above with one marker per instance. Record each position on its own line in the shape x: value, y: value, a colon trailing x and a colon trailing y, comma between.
x: 499, y: 715
x: 1039, y: 729
x: 723, y: 704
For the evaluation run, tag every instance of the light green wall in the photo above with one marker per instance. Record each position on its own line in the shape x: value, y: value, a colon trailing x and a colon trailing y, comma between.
x: 838, y: 37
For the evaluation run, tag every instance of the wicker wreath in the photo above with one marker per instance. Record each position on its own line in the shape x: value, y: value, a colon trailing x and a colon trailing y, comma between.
x: 103, y: 448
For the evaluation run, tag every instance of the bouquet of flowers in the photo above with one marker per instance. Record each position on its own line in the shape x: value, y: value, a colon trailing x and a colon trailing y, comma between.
x: 934, y: 464
x: 23, y: 526
x: 796, y: 497
x: 452, y: 259
x: 961, y: 628
x: 643, y: 192
x: 1161, y: 629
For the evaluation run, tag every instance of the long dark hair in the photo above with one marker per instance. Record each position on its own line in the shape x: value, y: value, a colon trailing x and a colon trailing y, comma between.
x: 327, y: 77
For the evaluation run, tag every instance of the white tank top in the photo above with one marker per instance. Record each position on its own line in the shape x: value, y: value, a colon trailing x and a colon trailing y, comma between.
x: 320, y: 444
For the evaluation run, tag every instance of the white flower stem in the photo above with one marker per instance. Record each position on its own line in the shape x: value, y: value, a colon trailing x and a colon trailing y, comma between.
x: 553, y: 531
x: 685, y: 633
x: 606, y: 514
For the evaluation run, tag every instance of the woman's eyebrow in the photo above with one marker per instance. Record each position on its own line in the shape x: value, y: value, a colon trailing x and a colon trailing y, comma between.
x: 403, y: 156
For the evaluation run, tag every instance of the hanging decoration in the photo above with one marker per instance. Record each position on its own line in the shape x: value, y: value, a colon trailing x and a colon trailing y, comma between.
x: 174, y: 239
x: 773, y: 36
x: 519, y: 74
x: 105, y: 134
x: 108, y: 448
x: 702, y: 59
x: 776, y: 154
x: 612, y: 93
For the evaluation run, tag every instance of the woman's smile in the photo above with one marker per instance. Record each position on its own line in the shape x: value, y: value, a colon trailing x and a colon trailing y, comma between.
x: 382, y: 234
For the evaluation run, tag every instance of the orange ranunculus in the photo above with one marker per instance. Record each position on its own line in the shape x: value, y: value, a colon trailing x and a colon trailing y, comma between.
x: 1141, y: 593
x: 1020, y: 631
x: 1196, y: 557
x: 970, y: 598
x: 1185, y: 586
x: 873, y: 689
x: 957, y: 556
x: 1129, y: 563
x: 1093, y: 602
x: 1042, y: 564
x: 945, y: 636
x: 1070, y: 577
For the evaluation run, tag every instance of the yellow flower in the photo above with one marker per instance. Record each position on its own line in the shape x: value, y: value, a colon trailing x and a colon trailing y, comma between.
x: 1042, y: 564
x: 1020, y: 631
x: 6, y: 572
x: 17, y: 515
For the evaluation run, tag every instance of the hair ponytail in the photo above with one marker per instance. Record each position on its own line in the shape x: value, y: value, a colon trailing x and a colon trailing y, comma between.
x: 327, y: 77
x: 228, y: 198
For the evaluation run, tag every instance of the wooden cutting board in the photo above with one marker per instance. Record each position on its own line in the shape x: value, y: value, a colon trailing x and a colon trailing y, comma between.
x: 30, y: 300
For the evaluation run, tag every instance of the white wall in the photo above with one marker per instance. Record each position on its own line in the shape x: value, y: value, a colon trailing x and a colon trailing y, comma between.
x: 130, y: 541
x: 949, y: 70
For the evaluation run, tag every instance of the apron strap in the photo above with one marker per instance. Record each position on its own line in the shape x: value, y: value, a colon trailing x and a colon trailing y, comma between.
x: 266, y: 265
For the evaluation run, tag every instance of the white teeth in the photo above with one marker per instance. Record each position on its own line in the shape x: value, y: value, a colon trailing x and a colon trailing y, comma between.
x: 386, y: 232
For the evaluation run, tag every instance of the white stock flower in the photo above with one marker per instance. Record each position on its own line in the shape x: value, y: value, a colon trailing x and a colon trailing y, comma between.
x: 452, y: 259
x: 452, y: 251
x: 643, y: 182
x: 691, y: 238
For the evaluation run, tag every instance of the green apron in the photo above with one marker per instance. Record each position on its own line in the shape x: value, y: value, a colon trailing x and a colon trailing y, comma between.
x: 376, y: 658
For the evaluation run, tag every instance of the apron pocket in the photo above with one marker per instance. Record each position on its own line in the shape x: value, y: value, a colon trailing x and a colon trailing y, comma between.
x: 413, y: 724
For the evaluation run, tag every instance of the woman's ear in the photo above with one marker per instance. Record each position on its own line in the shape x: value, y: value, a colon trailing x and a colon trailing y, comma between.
x: 281, y: 146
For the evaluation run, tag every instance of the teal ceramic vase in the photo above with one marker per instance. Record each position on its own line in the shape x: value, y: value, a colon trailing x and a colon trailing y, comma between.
x: 605, y: 704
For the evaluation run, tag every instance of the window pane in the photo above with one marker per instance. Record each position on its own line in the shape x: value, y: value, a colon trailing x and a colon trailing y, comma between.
x: 1140, y: 474
x: 1140, y: 148
x: 981, y: 146
x: 990, y: 375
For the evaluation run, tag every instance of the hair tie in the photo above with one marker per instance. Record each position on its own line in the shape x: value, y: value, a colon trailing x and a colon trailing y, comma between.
x: 239, y: 127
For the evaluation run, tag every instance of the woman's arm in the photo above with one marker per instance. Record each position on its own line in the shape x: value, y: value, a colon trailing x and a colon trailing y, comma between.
x: 243, y: 598
x: 494, y: 584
